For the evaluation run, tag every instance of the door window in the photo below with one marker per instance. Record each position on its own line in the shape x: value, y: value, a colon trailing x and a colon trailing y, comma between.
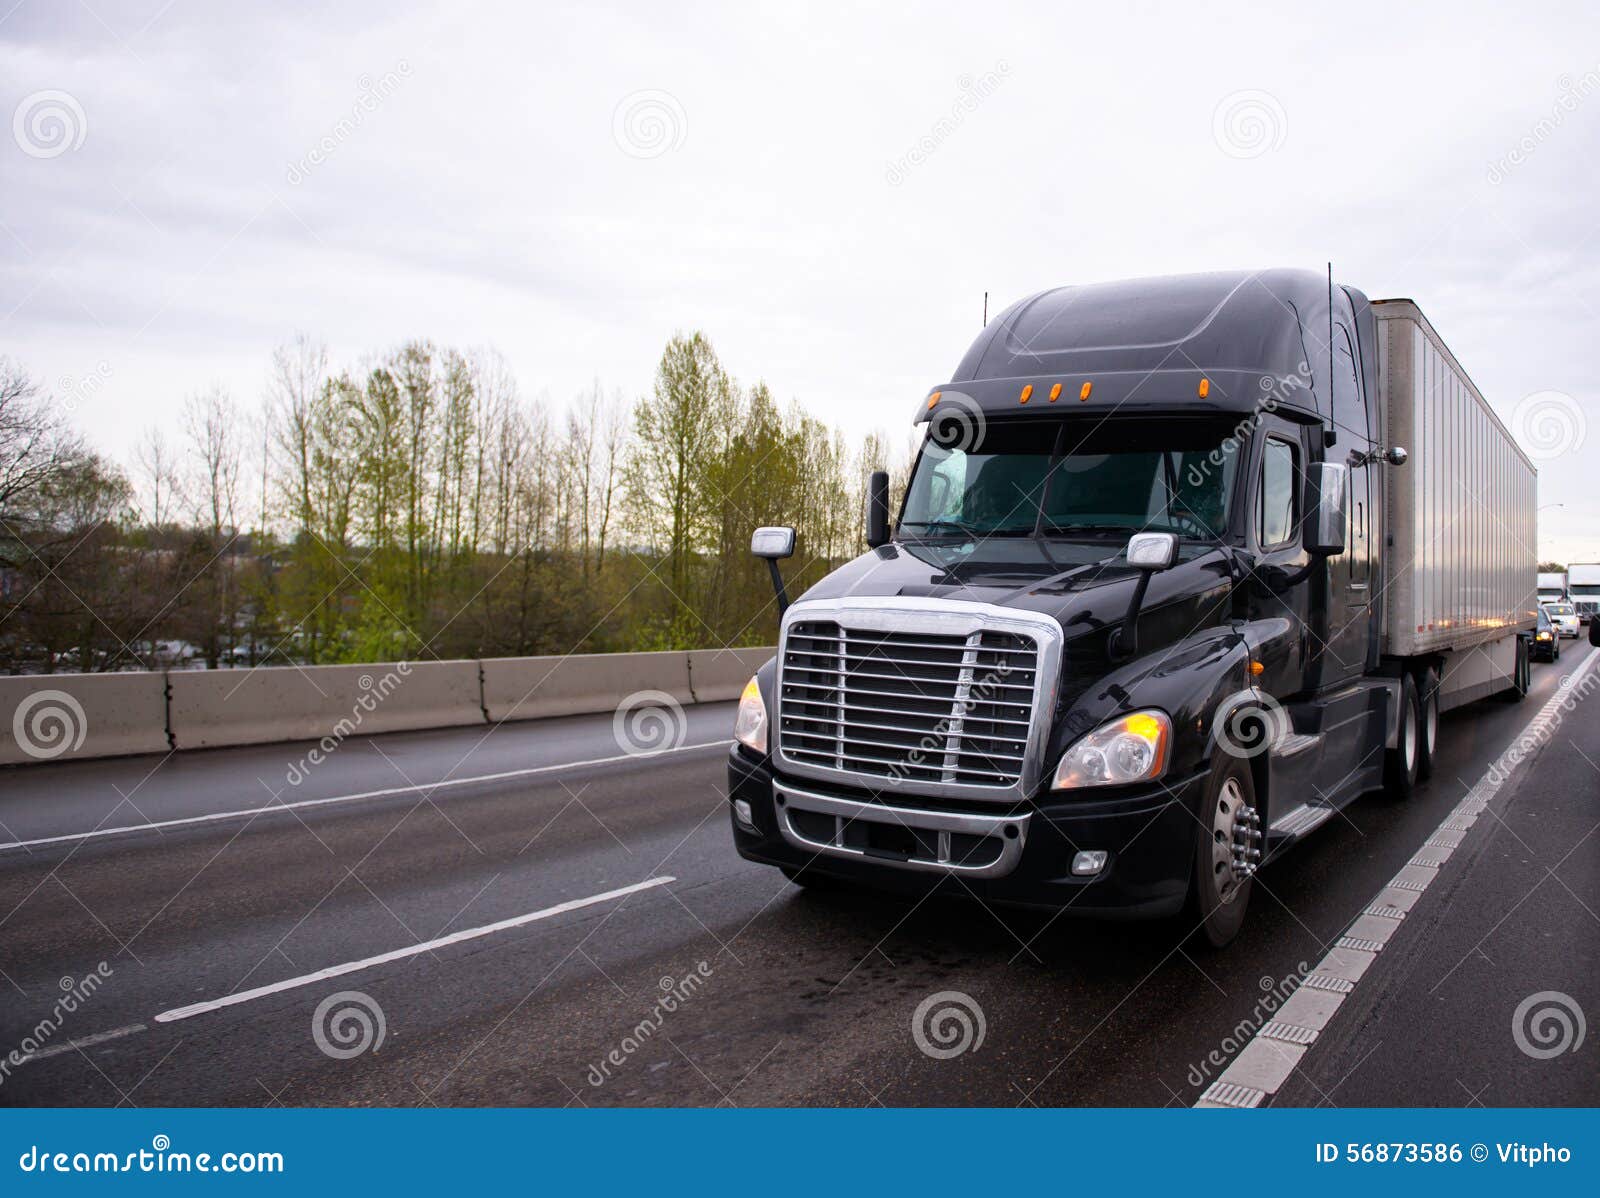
x: 1276, y: 501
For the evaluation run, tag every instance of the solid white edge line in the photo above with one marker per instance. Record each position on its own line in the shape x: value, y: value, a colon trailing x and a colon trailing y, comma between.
x: 1264, y: 1064
x: 304, y: 804
x: 400, y: 954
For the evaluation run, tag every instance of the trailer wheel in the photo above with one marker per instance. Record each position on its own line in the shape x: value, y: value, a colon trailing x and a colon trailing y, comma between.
x: 1401, y: 763
x: 1227, y: 851
x: 1521, y: 674
x: 1428, y: 740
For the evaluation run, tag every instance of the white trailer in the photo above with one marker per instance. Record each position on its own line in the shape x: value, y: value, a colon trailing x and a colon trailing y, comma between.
x: 1461, y: 553
x: 1552, y: 586
x: 1583, y: 585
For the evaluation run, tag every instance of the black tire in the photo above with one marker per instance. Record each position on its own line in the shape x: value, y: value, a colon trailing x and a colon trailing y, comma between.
x: 1218, y: 897
x: 1400, y: 764
x: 1428, y: 726
x: 1521, y: 674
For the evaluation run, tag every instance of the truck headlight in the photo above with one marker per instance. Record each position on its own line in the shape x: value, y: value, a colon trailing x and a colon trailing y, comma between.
x: 750, y: 725
x: 1131, y: 748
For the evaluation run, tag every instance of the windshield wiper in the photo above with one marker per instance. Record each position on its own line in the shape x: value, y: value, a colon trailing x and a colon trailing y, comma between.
x: 1060, y: 528
x: 965, y: 529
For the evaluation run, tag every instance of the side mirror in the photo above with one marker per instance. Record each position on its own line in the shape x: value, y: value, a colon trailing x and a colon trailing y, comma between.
x: 877, y: 509
x: 1152, y: 550
x: 773, y: 543
x: 1148, y: 553
x: 1327, y: 507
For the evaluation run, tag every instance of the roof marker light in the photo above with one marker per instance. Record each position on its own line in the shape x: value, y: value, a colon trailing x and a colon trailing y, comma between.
x: 1205, y: 388
x: 1055, y: 393
x: 1083, y: 392
x: 1027, y: 393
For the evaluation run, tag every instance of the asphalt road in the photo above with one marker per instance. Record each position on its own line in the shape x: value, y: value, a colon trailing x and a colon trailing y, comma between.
x: 234, y: 925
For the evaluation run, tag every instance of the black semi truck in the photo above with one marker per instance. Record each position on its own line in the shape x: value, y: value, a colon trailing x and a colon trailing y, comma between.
x: 1183, y: 566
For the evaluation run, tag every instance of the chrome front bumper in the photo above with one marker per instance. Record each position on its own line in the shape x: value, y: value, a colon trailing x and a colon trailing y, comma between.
x: 977, y: 846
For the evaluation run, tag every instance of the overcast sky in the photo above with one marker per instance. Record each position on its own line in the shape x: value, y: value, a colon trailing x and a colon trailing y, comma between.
x: 827, y: 193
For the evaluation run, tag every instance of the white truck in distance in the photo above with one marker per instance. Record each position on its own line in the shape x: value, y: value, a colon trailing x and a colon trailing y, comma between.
x: 1583, y: 587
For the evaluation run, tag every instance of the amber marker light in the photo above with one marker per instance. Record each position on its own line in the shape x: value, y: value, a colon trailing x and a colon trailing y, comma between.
x: 1055, y: 393
x: 934, y: 398
x: 1027, y: 393
x: 1083, y: 392
x: 1205, y: 388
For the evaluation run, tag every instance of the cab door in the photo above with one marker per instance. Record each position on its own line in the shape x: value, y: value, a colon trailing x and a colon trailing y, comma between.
x: 1341, y: 655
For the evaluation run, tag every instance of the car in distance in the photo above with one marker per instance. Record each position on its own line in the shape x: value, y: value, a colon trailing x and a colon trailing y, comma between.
x: 1564, y: 617
x: 1546, y: 644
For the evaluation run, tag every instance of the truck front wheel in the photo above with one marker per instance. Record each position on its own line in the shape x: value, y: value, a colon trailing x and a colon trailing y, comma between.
x: 1227, y: 850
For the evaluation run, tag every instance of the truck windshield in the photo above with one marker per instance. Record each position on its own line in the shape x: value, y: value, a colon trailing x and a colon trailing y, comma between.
x: 1073, y: 477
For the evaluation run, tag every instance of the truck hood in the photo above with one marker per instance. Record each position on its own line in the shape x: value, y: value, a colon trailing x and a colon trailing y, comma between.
x: 1084, y: 585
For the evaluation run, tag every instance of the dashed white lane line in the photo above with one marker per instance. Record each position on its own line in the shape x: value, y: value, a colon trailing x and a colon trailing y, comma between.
x: 400, y: 954
x: 387, y: 792
x: 1275, y: 1050
x: 81, y: 1042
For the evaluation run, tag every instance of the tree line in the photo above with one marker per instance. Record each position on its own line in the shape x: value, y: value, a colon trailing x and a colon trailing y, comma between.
x: 420, y: 506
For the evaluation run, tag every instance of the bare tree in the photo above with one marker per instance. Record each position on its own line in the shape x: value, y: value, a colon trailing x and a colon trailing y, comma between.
x: 159, y: 481
x: 293, y: 387
x: 35, y: 442
x: 210, y: 422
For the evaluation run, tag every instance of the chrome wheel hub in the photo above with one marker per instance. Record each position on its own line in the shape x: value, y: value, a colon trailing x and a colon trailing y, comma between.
x: 1235, y: 841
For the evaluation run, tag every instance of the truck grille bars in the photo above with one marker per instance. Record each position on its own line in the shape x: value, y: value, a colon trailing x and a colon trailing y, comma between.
x: 918, y: 703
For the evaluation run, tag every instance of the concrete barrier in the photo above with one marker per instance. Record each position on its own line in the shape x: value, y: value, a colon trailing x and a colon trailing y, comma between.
x: 529, y: 688
x: 63, y: 716
x: 716, y: 674
x: 58, y: 717
x: 210, y: 708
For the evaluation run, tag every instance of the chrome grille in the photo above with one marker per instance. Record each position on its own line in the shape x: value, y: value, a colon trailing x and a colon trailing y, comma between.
x: 919, y: 707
